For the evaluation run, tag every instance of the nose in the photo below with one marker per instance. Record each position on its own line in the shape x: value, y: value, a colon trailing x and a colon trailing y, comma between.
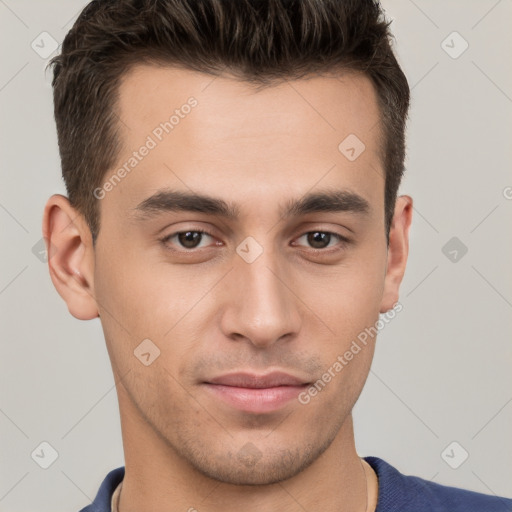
x: 262, y: 307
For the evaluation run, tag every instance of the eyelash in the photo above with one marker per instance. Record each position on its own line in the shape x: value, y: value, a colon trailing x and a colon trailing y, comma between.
x: 342, y: 241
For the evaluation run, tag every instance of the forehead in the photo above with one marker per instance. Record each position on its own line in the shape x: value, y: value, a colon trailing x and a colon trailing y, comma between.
x: 335, y: 102
x: 219, y: 134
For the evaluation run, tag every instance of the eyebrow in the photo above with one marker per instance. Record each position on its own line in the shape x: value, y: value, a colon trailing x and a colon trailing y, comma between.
x: 167, y: 200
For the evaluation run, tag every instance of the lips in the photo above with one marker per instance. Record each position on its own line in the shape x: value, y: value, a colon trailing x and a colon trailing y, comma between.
x: 248, y: 380
x: 257, y: 394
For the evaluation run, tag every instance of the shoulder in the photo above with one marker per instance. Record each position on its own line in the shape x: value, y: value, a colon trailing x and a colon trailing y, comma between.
x: 102, y: 501
x: 404, y: 493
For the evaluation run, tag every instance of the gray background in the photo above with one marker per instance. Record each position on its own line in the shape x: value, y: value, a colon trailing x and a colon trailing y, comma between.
x: 442, y: 367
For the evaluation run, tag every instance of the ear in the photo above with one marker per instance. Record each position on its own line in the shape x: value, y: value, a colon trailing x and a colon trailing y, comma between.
x: 70, y: 256
x: 398, y: 250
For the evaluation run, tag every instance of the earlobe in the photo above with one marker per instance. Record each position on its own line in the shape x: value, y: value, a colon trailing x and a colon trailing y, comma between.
x: 398, y: 250
x: 70, y: 256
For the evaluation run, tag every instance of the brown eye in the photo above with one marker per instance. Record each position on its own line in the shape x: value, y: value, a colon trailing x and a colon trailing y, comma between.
x: 189, y: 240
x: 320, y: 240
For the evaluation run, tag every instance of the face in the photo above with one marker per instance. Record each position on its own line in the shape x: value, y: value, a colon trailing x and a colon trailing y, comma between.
x: 279, y: 268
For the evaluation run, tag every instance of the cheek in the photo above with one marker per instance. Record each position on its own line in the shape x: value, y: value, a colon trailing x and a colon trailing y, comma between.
x: 348, y: 302
x: 346, y: 369
x: 126, y: 304
x: 348, y: 299
x: 138, y: 303
x: 135, y: 292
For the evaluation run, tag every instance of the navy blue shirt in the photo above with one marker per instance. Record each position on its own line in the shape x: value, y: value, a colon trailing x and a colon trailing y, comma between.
x: 397, y: 493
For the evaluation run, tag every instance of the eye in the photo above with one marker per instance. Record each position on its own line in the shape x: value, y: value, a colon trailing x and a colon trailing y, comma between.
x: 320, y: 240
x: 192, y: 239
x: 189, y: 239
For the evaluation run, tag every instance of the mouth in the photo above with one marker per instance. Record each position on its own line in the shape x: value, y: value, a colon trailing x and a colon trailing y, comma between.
x: 253, y: 393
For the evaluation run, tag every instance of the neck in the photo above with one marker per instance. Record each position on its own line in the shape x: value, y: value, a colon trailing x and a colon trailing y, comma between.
x: 158, y: 479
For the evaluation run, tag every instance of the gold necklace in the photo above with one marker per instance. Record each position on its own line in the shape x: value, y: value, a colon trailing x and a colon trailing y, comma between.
x: 115, y: 498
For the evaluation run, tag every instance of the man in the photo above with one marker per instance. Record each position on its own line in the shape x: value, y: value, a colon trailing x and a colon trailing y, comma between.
x: 232, y: 171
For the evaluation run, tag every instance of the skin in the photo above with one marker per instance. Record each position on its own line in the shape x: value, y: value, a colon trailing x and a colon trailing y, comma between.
x: 210, y: 312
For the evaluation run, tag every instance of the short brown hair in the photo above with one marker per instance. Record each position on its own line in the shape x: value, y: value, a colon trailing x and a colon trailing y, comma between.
x: 257, y: 41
